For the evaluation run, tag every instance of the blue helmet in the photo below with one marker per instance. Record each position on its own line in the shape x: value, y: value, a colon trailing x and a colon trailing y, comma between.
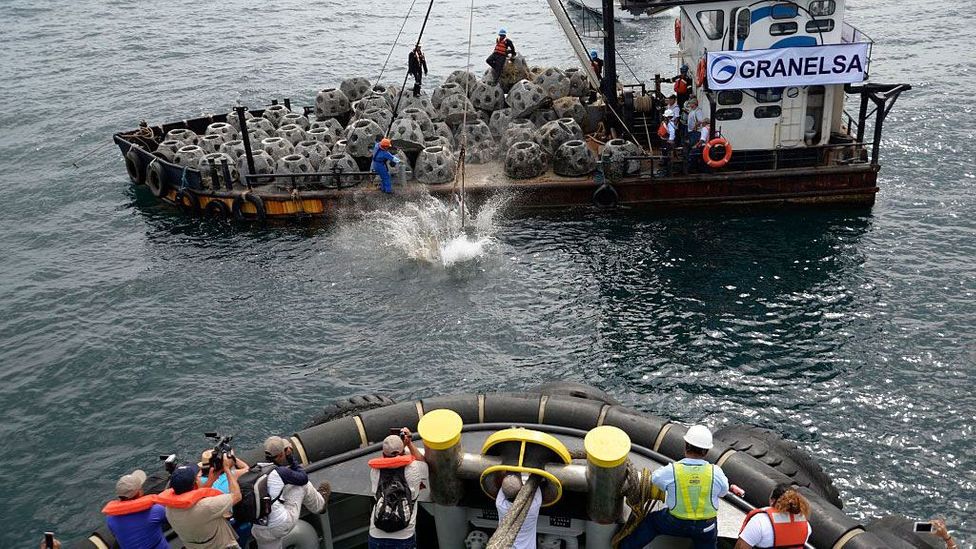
x: 593, y: 54
x: 502, y: 31
x: 684, y: 68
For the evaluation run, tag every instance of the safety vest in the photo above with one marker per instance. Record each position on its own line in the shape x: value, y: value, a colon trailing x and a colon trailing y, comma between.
x: 127, y: 507
x: 680, y: 86
x: 789, y: 530
x: 169, y: 498
x: 693, y: 492
x: 391, y: 462
x: 501, y: 46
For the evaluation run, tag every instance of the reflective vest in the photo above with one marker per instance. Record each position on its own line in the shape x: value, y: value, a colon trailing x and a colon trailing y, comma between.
x: 693, y: 492
x: 501, y: 46
x: 390, y: 463
x: 789, y: 530
x: 680, y: 86
x: 127, y: 507
x: 169, y: 498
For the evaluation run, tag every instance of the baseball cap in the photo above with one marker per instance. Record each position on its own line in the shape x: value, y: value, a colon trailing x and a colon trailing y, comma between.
x: 130, y: 484
x: 183, y: 478
x: 275, y: 445
x: 392, y: 446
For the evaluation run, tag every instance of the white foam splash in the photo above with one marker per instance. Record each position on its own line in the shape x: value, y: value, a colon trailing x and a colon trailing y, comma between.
x: 429, y: 230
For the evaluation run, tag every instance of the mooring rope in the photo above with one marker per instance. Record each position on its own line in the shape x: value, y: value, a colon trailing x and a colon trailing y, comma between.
x: 511, y: 523
x: 395, y: 41
x: 642, y: 496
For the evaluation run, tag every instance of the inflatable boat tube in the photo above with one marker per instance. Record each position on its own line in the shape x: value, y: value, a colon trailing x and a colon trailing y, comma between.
x: 349, y: 406
x: 302, y: 536
x: 894, y: 529
x: 578, y: 390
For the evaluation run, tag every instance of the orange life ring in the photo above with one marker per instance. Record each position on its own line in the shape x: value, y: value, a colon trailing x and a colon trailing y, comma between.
x: 700, y: 73
x: 677, y: 30
x: 707, y: 152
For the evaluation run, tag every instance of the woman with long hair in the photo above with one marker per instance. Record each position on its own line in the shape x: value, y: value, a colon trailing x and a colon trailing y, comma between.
x: 783, y: 524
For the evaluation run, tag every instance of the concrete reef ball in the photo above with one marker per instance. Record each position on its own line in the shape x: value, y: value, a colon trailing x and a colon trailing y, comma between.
x: 314, y: 151
x: 355, y: 88
x: 370, y: 101
x: 183, y: 135
x: 293, y: 133
x: 389, y: 92
x: 299, y: 120
x: 235, y: 121
x: 525, y: 96
x: 516, y: 69
x: 382, y: 117
x: 263, y: 163
x: 326, y: 136
x: 525, y: 160
x: 256, y: 136
x: 218, y: 159
x: 293, y: 163
x: 573, y: 158
x: 570, y: 107
x: 329, y: 123
x: 541, y: 117
x: 554, y: 83
x: 421, y: 102
x: 274, y: 114
x: 444, y: 91
x: 167, y: 149
x: 487, y: 97
x: 262, y: 124
x: 330, y: 103
x: 579, y: 86
x: 464, y: 79
x: 435, y: 165
x: 615, y: 151
x: 453, y: 108
x: 476, y: 133
x: 210, y: 143
x: 189, y: 156
x: 341, y: 163
x: 439, y: 141
x: 406, y: 133
x: 277, y: 147
x: 339, y: 147
x: 422, y: 119
x: 441, y: 129
x: 519, y: 129
x: 557, y: 132
x: 361, y: 135
x: 499, y: 121
x: 226, y: 131
x: 233, y: 149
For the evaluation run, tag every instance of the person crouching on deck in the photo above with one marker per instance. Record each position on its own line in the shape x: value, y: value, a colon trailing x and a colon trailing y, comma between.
x: 381, y: 155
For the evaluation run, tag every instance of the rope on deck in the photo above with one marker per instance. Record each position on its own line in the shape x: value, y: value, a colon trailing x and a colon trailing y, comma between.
x: 642, y: 496
x: 509, y: 526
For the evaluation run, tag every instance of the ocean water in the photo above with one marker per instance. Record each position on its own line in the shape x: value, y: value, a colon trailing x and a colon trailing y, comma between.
x: 126, y: 330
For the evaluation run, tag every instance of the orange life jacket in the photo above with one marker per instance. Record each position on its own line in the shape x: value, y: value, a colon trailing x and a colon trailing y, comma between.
x: 662, y: 131
x: 501, y: 46
x: 391, y: 463
x: 789, y: 530
x: 127, y: 507
x: 680, y: 86
x: 169, y: 498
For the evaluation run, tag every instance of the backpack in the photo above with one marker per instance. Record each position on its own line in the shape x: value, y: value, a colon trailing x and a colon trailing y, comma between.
x: 394, y: 502
x: 256, y: 501
x: 662, y: 131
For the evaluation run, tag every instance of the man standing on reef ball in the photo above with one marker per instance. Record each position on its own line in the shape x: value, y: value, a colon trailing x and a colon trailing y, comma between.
x: 417, y: 67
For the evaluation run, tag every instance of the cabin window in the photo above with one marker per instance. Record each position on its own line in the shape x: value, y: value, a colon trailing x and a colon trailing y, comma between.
x: 742, y: 23
x: 784, y: 11
x: 713, y: 23
x: 768, y: 111
x: 728, y: 114
x: 780, y: 29
x: 821, y: 8
x: 820, y: 25
x: 769, y: 95
x: 729, y: 97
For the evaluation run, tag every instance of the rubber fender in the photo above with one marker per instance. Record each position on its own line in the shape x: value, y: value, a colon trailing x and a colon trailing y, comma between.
x: 897, y: 529
x: 258, y: 203
x: 466, y: 406
x: 349, y: 406
x: 302, y: 536
x: 187, y: 202
x: 379, y: 421
x: 511, y: 408
x: 573, y: 389
x: 753, y: 476
x: 134, y: 167
x: 578, y: 413
x: 216, y: 209
x: 156, y: 179
x: 330, y: 438
x: 606, y: 196
x: 642, y: 429
x: 773, y: 450
x: 673, y: 443
x: 828, y: 522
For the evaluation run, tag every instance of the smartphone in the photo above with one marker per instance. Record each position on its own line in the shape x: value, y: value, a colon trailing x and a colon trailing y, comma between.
x: 49, y: 540
x: 922, y: 527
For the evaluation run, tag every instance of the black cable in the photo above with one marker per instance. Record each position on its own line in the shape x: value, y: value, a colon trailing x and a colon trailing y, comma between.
x: 406, y: 76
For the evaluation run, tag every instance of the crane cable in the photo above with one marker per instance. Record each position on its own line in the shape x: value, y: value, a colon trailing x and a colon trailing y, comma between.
x: 395, y: 41
x: 464, y: 117
x: 396, y: 108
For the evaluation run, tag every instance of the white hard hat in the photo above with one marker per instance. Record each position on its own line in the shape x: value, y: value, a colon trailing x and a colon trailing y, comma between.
x: 699, y: 436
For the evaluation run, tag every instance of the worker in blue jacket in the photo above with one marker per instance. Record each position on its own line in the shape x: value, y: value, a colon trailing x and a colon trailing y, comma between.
x: 381, y: 155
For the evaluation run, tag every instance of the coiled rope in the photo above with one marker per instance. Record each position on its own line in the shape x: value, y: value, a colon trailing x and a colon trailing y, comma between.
x: 511, y: 523
x: 642, y: 497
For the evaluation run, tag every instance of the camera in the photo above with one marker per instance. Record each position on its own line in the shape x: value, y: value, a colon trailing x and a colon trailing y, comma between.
x: 398, y: 431
x: 221, y: 449
x: 169, y: 462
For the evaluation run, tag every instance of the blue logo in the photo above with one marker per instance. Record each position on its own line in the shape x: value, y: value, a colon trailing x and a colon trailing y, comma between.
x: 723, y: 69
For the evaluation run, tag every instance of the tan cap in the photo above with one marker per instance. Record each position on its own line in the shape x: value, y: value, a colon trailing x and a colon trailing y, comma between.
x: 129, y: 485
x: 275, y: 445
x: 392, y: 446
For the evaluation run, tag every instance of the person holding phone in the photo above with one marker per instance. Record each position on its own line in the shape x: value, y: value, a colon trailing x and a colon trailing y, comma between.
x: 940, y: 531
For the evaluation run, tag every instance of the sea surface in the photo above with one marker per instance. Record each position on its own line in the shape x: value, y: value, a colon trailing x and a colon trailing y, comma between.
x: 126, y: 329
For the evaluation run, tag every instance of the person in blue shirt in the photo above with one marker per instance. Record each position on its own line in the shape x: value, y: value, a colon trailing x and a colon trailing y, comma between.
x: 691, y: 489
x: 381, y: 155
x: 135, y: 519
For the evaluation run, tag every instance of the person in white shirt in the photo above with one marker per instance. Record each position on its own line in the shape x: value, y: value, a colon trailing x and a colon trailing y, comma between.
x: 695, y: 116
x: 410, y: 461
x: 782, y: 524
x: 511, y: 484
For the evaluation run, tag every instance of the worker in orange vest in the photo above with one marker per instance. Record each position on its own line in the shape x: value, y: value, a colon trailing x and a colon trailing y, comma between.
x: 504, y: 48
x: 782, y: 524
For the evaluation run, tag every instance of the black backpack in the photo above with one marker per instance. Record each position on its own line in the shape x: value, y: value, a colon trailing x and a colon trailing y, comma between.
x: 256, y: 501
x: 394, y: 504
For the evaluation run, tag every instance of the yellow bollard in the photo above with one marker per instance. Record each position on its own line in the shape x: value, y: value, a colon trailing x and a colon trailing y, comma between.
x: 607, y: 449
x: 441, y: 433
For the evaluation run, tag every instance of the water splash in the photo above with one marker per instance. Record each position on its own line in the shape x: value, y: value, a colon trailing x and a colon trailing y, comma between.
x: 429, y: 230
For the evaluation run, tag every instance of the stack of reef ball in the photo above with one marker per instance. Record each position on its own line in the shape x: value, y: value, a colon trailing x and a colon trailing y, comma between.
x: 531, y: 119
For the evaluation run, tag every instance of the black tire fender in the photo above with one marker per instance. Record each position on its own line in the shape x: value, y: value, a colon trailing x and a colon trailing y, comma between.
x: 349, y: 406
x: 606, y: 196
x: 133, y: 166
x: 155, y: 179
x: 216, y: 209
x: 187, y: 202
x: 248, y: 196
x: 578, y: 390
x: 784, y: 456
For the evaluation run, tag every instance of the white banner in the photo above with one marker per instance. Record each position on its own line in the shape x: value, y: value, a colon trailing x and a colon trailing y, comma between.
x: 802, y: 66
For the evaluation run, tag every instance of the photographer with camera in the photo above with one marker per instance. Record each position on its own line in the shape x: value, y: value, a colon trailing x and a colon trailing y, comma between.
x: 288, y: 490
x: 396, y: 480
x: 198, y: 513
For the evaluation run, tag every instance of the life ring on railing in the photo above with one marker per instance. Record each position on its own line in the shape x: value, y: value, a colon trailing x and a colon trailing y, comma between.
x: 255, y: 200
x: 155, y: 180
x: 707, y: 152
x: 606, y: 196
x: 217, y: 209
x: 133, y: 165
x: 187, y: 201
x: 677, y: 30
x: 700, y: 73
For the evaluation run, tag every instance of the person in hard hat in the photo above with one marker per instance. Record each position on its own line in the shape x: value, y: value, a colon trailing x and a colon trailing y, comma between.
x: 682, y: 85
x: 782, y: 524
x: 511, y: 485
x: 597, y: 64
x: 691, y: 489
x: 382, y: 155
x: 417, y: 67
x: 504, y: 49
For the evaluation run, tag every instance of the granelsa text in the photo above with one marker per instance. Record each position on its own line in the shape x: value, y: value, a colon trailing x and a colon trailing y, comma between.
x: 803, y: 66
